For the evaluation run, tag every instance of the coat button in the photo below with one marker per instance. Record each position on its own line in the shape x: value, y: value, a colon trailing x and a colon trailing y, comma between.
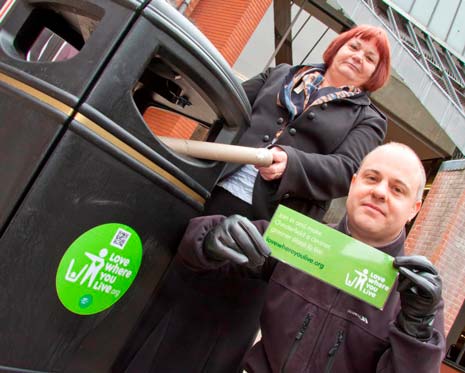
x: 311, y: 115
x: 280, y: 121
x: 286, y: 195
x: 266, y: 138
x: 324, y: 106
x: 292, y: 131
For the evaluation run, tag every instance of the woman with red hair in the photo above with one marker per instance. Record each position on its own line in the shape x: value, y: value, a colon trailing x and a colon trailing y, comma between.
x: 319, y: 123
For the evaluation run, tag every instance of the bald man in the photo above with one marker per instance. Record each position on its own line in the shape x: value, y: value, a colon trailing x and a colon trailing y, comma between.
x: 310, y: 326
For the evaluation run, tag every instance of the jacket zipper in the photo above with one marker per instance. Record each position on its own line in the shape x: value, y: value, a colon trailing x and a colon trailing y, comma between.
x: 297, y: 339
x: 333, y: 350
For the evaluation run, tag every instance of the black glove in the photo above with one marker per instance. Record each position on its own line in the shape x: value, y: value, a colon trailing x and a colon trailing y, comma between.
x: 420, y: 293
x: 238, y: 240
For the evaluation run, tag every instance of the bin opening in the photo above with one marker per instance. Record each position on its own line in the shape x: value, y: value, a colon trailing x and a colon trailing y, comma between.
x: 172, y: 105
x: 54, y: 34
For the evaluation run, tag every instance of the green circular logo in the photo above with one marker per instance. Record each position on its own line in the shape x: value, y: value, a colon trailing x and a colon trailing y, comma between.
x: 98, y: 268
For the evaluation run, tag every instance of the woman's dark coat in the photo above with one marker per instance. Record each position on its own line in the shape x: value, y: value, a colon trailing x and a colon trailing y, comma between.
x: 325, y: 145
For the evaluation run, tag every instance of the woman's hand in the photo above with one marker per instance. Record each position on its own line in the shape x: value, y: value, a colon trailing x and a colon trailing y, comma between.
x: 276, y: 170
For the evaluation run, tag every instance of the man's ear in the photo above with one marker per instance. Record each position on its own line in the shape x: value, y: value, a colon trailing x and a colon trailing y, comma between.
x: 416, y: 207
x: 354, y: 176
x: 352, y: 182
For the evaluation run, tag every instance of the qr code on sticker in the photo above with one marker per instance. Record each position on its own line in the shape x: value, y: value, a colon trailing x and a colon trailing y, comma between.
x: 120, y: 238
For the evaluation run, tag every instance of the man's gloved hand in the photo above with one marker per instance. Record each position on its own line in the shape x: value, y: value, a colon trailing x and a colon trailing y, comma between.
x: 238, y: 240
x: 420, y: 293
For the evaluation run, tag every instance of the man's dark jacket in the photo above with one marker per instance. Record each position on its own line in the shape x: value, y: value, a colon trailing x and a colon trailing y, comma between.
x: 310, y: 326
x: 325, y: 145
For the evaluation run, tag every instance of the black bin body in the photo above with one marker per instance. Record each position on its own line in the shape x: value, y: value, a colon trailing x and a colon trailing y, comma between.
x: 75, y: 153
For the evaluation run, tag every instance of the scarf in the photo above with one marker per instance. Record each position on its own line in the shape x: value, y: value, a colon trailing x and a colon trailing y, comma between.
x: 307, y: 79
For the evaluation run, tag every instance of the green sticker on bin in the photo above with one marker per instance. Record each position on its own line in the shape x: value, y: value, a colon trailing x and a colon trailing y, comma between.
x: 98, y: 268
x: 331, y: 256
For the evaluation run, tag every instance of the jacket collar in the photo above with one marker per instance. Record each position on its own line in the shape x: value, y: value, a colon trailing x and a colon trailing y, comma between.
x: 360, y: 99
x: 394, y: 248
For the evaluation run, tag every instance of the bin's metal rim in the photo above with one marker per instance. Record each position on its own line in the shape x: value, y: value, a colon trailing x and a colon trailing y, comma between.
x: 99, y: 131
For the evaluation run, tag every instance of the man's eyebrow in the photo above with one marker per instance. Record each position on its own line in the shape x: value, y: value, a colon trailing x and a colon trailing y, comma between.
x: 371, y: 170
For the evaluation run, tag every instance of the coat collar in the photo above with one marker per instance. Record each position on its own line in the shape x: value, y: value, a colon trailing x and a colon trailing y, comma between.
x: 360, y: 99
x: 394, y: 248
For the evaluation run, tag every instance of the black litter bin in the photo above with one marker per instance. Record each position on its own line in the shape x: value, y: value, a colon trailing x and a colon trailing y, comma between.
x: 92, y: 204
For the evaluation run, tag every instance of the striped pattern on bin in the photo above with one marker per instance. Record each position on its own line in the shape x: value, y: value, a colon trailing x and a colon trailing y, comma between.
x: 107, y: 136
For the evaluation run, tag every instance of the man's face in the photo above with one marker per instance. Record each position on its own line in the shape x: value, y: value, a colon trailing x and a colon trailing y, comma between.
x: 382, y: 196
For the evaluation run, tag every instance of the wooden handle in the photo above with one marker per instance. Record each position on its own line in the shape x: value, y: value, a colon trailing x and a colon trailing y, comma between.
x: 219, y: 152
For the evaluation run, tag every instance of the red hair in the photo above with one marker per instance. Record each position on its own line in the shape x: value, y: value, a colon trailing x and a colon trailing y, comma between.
x: 365, y: 32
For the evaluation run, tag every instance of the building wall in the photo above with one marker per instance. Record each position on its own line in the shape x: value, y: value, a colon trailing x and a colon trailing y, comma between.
x: 310, y: 37
x: 439, y: 234
x: 229, y: 24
